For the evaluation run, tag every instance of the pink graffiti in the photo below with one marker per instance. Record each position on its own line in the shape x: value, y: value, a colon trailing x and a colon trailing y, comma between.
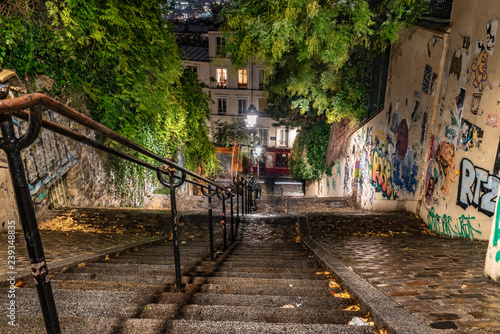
x: 492, y: 120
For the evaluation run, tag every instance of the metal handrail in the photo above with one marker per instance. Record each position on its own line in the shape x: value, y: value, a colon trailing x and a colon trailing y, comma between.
x: 13, y: 146
x: 11, y: 106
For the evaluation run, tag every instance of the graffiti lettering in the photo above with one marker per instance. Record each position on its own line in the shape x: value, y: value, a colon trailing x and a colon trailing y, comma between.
x: 477, y: 188
x: 443, y: 225
x: 381, y: 174
x: 465, y: 229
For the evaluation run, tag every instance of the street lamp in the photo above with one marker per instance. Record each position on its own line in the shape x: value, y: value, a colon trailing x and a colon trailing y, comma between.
x: 252, y: 114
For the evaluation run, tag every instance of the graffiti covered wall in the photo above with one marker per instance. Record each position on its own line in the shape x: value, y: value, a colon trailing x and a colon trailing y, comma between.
x: 60, y: 172
x: 435, y: 147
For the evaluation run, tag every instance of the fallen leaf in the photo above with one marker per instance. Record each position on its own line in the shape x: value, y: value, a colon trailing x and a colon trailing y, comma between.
x: 334, y: 285
x: 288, y: 306
x: 353, y: 308
x: 81, y: 265
x: 19, y: 283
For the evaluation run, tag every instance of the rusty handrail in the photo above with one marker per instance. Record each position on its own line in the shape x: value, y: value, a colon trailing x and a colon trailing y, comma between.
x: 9, y: 106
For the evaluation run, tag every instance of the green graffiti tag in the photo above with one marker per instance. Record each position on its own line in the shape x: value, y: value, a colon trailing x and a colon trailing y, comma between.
x: 465, y: 229
x: 443, y: 225
x: 339, y: 169
x: 496, y: 231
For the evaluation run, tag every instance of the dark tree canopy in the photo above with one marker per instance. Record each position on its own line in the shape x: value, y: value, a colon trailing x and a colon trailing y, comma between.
x: 318, y: 51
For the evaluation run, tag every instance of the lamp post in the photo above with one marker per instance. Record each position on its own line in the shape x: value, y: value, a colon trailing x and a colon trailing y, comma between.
x: 251, y: 121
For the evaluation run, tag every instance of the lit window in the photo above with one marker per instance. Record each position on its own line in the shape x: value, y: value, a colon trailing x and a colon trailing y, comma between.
x: 221, y: 106
x: 242, y: 78
x: 242, y: 106
x: 221, y: 77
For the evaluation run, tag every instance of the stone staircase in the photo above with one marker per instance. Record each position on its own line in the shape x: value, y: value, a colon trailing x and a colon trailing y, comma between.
x: 259, y: 284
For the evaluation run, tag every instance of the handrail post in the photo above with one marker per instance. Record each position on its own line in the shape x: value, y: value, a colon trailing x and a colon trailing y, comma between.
x: 210, y: 220
x: 232, y: 219
x: 223, y: 195
x: 173, y: 212
x: 237, y: 188
x: 12, y: 147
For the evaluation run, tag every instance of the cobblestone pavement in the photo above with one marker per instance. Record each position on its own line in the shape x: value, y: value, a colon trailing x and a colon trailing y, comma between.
x: 437, y: 279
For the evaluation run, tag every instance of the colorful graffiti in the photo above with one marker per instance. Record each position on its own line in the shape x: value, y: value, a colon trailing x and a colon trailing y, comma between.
x: 477, y: 188
x: 459, y: 103
x: 440, y: 170
x: 496, y: 166
x: 479, y: 67
x: 405, y: 172
x: 346, y: 175
x: 492, y: 120
x: 471, y: 136
x: 382, y: 174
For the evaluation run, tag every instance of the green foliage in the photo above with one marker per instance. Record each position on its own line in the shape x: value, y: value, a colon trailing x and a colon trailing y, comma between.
x: 121, y: 57
x: 318, y: 50
x: 312, y: 143
x: 229, y: 134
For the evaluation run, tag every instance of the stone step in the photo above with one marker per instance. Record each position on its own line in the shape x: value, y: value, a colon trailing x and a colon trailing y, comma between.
x: 243, y: 281
x: 255, y: 289
x: 137, y: 279
x: 272, y: 264
x: 131, y: 268
x: 103, y: 286
x: 275, y: 274
x: 327, y: 302
x: 268, y: 270
x: 79, y: 303
x: 236, y: 327
x: 249, y: 313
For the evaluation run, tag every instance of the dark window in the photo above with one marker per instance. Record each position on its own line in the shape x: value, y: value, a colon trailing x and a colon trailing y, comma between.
x: 221, y: 106
x: 242, y: 106
x: 378, y: 82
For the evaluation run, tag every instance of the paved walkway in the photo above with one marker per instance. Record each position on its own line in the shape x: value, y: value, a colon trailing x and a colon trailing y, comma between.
x: 439, y: 280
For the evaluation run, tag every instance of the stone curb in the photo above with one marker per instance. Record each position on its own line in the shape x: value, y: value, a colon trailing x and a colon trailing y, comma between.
x: 385, y: 312
x: 24, y: 274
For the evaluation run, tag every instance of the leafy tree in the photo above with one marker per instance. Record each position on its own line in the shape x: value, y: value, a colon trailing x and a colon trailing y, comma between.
x: 231, y: 134
x: 121, y: 58
x: 318, y: 50
x: 308, y: 161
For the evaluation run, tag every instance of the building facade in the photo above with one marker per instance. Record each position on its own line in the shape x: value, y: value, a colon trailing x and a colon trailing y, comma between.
x: 232, y: 91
